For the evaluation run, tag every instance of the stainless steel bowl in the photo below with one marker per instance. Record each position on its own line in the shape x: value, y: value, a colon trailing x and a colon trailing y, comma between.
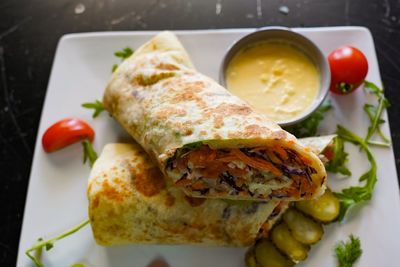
x: 297, y: 40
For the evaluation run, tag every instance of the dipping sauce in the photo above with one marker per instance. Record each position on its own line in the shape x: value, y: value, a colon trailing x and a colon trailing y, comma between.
x: 276, y: 78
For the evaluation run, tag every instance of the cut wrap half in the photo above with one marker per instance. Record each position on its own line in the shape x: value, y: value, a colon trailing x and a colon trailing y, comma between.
x: 207, y: 141
x: 130, y: 202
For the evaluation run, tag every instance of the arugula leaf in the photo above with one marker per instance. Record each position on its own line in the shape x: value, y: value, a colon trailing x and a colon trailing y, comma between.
x: 49, y: 244
x: 97, y: 106
x: 123, y: 54
x: 375, y: 112
x: 348, y: 253
x: 340, y: 158
x: 357, y: 194
x: 89, y: 153
x: 114, y: 68
x: 309, y: 126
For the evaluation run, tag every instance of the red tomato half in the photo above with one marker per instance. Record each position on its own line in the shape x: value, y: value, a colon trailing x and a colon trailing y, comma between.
x: 66, y: 132
x: 348, y: 67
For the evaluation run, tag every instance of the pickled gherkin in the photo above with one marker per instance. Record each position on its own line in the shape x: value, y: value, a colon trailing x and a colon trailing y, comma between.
x: 250, y: 258
x: 302, y: 228
x: 286, y: 243
x: 267, y: 255
x: 324, y: 209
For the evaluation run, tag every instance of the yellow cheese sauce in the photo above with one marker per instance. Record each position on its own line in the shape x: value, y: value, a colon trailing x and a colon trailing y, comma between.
x: 277, y: 79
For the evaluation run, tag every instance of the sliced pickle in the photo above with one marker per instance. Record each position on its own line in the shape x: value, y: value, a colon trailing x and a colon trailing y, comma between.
x: 324, y: 209
x: 285, y: 242
x: 250, y: 258
x: 268, y: 256
x: 303, y: 229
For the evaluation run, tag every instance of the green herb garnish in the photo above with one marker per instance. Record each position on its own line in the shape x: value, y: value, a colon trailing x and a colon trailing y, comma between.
x: 340, y: 157
x: 123, y: 54
x: 114, y: 67
x: 49, y: 244
x: 97, y: 107
x: 374, y: 114
x: 347, y: 253
x: 309, y: 126
x: 357, y: 194
x: 89, y: 153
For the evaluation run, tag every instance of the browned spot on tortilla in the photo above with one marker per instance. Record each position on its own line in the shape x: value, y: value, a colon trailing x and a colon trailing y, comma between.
x: 167, y: 112
x: 185, y: 128
x: 278, y: 135
x: 166, y: 66
x: 195, y: 201
x: 188, y: 91
x: 149, y: 182
x: 143, y: 80
x: 225, y: 109
x: 96, y: 201
x: 234, y: 135
x: 244, y: 235
x: 123, y: 185
x: 112, y: 193
x: 217, y: 232
x: 169, y: 200
x: 217, y: 136
x: 203, y: 132
x: 187, y: 132
x: 255, y: 130
x: 218, y: 121
x: 188, y: 96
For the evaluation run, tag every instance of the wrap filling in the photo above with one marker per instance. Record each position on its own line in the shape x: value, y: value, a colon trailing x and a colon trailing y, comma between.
x: 257, y: 172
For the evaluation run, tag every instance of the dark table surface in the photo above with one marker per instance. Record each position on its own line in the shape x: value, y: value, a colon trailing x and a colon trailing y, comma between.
x: 30, y: 30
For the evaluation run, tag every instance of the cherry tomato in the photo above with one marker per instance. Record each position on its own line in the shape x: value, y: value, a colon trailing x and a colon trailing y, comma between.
x: 348, y: 67
x: 328, y: 153
x: 65, y: 132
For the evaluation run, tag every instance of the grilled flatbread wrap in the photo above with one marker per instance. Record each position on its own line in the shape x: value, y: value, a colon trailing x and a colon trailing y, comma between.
x: 131, y: 203
x: 207, y: 141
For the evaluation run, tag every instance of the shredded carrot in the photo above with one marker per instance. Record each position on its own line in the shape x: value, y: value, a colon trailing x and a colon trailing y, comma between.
x: 273, y: 157
x: 291, y: 142
x: 198, y: 185
x: 182, y: 182
x: 212, y: 155
x: 214, y: 169
x: 305, y: 160
x: 282, y: 152
x: 258, y: 164
x: 228, y: 158
x: 201, y: 156
x: 269, y: 167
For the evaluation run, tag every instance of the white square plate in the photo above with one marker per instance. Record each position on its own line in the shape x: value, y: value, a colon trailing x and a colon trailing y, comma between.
x: 56, y: 198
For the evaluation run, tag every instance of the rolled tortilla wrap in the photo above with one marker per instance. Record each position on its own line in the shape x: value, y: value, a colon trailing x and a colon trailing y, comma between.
x: 207, y: 141
x: 131, y: 203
